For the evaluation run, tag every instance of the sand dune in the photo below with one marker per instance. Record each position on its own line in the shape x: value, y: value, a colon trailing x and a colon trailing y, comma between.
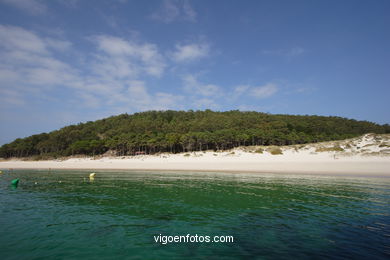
x: 365, y: 155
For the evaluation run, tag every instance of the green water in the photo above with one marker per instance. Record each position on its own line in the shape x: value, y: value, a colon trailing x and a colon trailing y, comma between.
x: 64, y: 215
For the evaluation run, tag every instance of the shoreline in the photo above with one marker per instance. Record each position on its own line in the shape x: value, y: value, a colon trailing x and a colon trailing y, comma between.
x: 379, y: 167
x: 282, y: 173
x: 367, y: 155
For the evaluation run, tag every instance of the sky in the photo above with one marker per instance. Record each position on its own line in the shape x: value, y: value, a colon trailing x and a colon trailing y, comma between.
x: 68, y: 61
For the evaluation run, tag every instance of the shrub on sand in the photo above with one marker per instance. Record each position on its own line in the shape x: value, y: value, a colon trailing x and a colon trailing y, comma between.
x: 259, y: 150
x: 335, y: 148
x: 275, y: 150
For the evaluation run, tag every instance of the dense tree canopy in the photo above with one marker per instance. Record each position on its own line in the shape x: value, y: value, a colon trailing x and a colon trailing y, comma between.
x: 178, y: 131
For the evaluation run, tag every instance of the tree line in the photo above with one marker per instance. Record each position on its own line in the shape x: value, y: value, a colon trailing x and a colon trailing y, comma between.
x: 185, y: 131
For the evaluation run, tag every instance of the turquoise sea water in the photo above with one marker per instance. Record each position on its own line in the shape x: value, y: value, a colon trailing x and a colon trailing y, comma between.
x: 64, y: 215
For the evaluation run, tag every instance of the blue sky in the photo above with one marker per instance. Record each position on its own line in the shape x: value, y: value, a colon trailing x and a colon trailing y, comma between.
x: 71, y: 61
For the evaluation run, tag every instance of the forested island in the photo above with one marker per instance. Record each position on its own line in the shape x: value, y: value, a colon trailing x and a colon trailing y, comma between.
x: 183, y: 131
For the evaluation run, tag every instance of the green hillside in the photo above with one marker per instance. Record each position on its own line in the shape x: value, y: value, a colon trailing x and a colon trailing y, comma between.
x: 177, y: 131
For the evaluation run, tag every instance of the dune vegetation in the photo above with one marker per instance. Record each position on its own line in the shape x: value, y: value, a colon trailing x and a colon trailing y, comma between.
x: 186, y: 131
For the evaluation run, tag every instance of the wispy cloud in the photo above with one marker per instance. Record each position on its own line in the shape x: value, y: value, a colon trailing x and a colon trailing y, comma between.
x: 193, y: 86
x: 60, y: 45
x: 260, y: 92
x: 140, y: 96
x: 205, y: 103
x: 16, y: 38
x: 174, y: 10
x: 264, y: 91
x: 11, y: 96
x: 111, y: 76
x: 34, y: 7
x: 190, y: 52
x: 27, y: 60
x: 293, y: 52
x: 240, y: 90
x: 125, y: 58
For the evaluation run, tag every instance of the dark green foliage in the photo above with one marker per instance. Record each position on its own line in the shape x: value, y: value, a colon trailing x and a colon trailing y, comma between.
x: 183, y: 131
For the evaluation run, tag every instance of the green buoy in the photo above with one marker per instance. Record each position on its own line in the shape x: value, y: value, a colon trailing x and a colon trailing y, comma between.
x: 15, y: 182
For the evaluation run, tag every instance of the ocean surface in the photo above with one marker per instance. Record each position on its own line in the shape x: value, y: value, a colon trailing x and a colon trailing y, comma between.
x: 118, y: 215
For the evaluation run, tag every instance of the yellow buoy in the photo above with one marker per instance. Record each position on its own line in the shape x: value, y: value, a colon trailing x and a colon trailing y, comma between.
x: 92, y: 176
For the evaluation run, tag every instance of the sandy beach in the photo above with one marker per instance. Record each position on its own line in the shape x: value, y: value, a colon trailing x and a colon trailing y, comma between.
x: 359, y: 156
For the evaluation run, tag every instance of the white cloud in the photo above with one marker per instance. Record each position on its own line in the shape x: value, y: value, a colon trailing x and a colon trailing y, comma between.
x: 296, y: 51
x: 126, y: 58
x: 205, y: 103
x: 293, y: 52
x: 189, y: 52
x: 111, y: 75
x: 32, y: 69
x: 208, y: 95
x: 117, y: 69
x: 138, y: 93
x: 239, y: 90
x: 69, y: 3
x: 114, y: 46
x: 142, y: 99
x: 13, y: 37
x: 167, y: 101
x: 173, y: 10
x: 59, y: 45
x: 260, y: 92
x: 11, y: 97
x: 34, y: 7
x: 189, y: 13
x: 264, y: 91
x: 27, y: 63
x: 90, y: 100
x: 114, y: 67
x: 193, y: 86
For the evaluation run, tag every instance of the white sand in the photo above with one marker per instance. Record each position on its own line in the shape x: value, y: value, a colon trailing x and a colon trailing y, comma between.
x: 373, y: 160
